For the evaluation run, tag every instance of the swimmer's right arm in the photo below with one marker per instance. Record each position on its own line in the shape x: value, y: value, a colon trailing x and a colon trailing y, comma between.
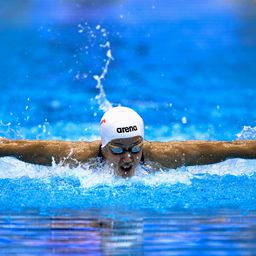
x: 46, y: 152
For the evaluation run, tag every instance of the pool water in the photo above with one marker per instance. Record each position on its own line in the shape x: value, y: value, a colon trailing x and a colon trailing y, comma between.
x: 105, y: 232
x: 187, y: 68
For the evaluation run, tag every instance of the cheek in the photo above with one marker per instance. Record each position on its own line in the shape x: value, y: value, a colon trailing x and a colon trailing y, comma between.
x: 112, y: 159
x: 138, y: 157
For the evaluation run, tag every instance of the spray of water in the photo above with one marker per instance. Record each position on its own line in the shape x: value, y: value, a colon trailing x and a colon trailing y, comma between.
x: 101, y: 97
x: 248, y: 133
x: 94, y: 174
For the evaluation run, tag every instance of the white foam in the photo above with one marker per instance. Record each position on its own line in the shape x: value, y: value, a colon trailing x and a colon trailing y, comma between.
x: 91, y: 176
x: 235, y: 167
x: 248, y: 133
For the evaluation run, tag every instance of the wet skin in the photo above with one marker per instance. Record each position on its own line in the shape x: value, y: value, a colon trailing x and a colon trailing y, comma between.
x: 123, y: 164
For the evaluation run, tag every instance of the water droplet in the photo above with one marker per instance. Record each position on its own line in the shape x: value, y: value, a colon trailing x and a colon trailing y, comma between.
x: 109, y: 54
x: 81, y: 28
x: 184, y: 120
x: 55, y: 104
x: 96, y: 77
x: 77, y: 76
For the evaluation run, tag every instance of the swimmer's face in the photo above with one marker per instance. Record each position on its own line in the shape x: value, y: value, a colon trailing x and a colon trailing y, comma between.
x: 123, y: 155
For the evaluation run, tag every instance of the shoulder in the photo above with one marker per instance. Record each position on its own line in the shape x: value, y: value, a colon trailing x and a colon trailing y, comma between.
x: 87, y: 149
x: 149, y: 146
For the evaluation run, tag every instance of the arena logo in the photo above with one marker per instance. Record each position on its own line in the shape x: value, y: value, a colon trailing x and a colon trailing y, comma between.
x: 127, y: 129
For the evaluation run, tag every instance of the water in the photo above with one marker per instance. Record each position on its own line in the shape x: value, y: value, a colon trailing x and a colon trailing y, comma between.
x: 93, y: 233
x: 187, y: 68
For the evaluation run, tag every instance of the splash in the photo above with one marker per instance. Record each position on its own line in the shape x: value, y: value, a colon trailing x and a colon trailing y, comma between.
x: 10, y: 130
x: 94, y: 173
x: 101, y: 97
x: 248, y: 133
x: 87, y: 186
x: 13, y: 129
x: 95, y: 35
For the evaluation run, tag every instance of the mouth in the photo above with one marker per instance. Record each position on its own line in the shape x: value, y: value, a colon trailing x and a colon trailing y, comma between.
x: 126, y: 170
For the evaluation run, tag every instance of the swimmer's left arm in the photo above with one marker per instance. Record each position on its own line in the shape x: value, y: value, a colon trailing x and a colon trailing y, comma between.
x: 186, y: 153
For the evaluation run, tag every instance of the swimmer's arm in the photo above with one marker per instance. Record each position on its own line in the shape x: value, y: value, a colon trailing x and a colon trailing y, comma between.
x: 46, y: 152
x: 187, y: 153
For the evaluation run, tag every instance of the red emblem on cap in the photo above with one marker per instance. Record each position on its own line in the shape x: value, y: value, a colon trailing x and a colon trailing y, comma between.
x: 103, y: 121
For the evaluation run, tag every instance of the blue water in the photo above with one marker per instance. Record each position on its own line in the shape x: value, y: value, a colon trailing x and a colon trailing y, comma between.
x: 187, y: 67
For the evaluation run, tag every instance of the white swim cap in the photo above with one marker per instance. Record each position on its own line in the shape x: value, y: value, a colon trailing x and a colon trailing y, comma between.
x: 119, y: 123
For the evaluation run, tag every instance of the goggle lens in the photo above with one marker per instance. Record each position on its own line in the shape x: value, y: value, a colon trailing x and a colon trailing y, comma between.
x: 136, y: 149
x: 118, y: 150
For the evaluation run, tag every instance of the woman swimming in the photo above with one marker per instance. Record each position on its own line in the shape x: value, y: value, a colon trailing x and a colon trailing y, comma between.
x: 123, y: 147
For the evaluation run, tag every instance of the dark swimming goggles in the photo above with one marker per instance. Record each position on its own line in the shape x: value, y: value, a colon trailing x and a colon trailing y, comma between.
x: 119, y: 150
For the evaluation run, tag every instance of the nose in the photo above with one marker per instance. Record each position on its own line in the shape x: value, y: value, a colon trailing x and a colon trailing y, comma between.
x: 127, y: 157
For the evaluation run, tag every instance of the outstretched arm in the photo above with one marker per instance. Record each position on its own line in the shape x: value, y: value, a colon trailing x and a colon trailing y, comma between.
x: 186, y: 153
x: 44, y: 152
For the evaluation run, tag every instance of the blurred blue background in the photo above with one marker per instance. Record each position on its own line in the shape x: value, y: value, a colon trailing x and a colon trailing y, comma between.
x: 188, y: 67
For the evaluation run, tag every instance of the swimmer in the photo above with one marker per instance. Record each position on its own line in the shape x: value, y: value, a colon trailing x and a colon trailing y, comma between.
x: 123, y: 148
